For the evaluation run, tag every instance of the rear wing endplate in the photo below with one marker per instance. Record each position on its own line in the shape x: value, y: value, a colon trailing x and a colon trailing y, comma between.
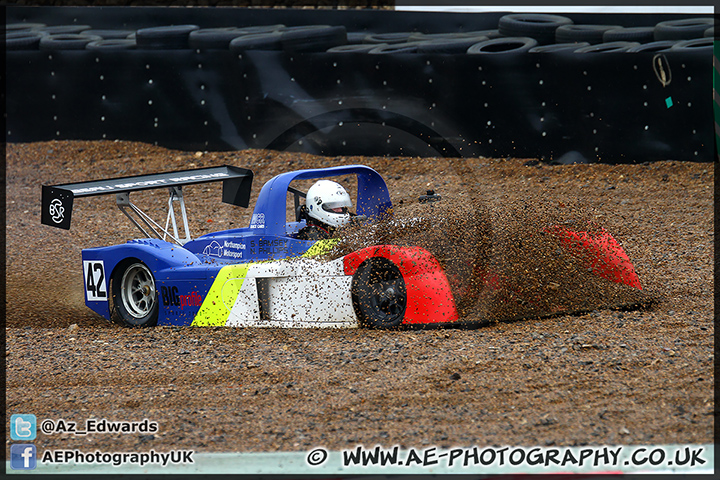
x: 57, y: 200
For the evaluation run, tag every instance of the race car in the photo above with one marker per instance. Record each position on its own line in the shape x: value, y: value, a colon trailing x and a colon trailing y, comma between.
x: 264, y: 274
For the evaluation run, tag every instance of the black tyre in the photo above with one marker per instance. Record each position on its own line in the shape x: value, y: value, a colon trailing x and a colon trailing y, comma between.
x: 256, y: 29
x: 258, y: 41
x: 109, y: 34
x: 422, y: 37
x: 694, y: 45
x: 709, y: 33
x: 389, y: 38
x: 409, y: 47
x: 449, y: 45
x: 592, y: 34
x: 379, y: 294
x: 661, y: 46
x: 354, y: 38
x: 503, y: 46
x: 608, y: 47
x: 539, y: 26
x: 313, y: 38
x: 559, y: 47
x: 65, y: 29
x: 632, y: 34
x: 167, y: 37
x: 21, y: 27
x: 112, y: 44
x: 66, y: 41
x: 355, y: 48
x: 22, y: 40
x: 135, y: 296
x: 214, y: 38
x: 686, y: 29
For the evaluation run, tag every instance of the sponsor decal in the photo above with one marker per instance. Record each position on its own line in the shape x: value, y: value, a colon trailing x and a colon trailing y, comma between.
x: 171, y: 298
x: 213, y: 248
x: 150, y: 183
x: 56, y: 210
x: 227, y: 252
x: 271, y: 246
x: 257, y: 220
x: 227, y: 249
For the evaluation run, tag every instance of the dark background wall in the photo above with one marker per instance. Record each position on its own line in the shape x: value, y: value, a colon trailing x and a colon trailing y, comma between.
x: 608, y: 107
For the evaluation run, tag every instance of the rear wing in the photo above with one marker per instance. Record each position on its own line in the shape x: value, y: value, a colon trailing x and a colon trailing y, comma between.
x: 57, y: 200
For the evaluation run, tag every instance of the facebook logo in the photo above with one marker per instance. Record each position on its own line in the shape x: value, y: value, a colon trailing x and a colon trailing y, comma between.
x: 23, y: 427
x: 23, y: 457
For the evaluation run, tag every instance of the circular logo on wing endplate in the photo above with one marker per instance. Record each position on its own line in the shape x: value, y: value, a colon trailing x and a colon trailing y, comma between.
x: 57, y: 211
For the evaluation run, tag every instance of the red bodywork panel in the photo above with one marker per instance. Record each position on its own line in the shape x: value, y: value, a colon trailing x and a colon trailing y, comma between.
x: 429, y: 299
x: 607, y: 257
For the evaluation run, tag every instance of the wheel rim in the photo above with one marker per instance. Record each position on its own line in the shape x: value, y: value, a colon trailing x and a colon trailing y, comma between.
x: 138, y: 291
x: 387, y: 298
x: 379, y: 293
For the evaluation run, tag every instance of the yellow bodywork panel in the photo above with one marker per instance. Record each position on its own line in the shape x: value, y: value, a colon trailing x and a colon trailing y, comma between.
x: 321, y: 247
x: 221, y: 297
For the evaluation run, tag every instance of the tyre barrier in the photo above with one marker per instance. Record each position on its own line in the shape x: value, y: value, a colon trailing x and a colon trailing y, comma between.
x: 545, y: 29
x: 414, y: 87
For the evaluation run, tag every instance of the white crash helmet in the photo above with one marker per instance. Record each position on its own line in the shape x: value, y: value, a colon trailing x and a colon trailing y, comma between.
x: 325, y: 196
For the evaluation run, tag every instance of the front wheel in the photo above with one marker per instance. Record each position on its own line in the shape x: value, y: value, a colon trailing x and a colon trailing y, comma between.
x: 135, y: 296
x: 379, y: 293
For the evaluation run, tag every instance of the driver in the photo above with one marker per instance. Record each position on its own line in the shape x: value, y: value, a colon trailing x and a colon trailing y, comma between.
x: 326, y: 208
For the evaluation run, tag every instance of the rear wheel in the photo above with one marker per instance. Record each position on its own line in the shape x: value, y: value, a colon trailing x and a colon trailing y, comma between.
x: 379, y: 294
x: 134, y: 295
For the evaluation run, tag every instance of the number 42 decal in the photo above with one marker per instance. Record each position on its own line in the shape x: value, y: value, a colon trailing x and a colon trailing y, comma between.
x: 95, y: 285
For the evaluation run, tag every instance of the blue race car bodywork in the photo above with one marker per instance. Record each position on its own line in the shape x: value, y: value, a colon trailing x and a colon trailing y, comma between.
x: 184, y: 275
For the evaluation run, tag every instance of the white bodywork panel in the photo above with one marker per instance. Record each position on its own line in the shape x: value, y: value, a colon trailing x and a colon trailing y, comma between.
x: 300, y: 293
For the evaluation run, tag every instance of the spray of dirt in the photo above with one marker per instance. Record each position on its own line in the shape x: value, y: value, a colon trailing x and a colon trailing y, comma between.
x: 502, y: 263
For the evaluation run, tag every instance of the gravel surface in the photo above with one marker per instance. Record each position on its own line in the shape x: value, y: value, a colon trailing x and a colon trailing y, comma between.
x: 593, y: 377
